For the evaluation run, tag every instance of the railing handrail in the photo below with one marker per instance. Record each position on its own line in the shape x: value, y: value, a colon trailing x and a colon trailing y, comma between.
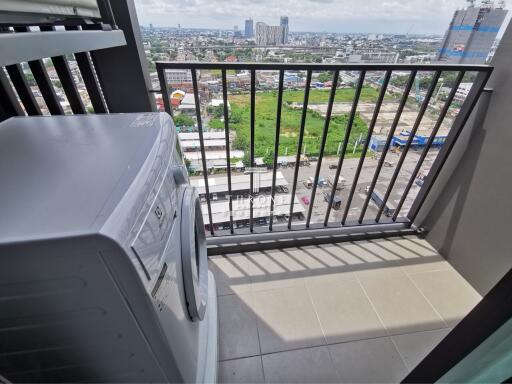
x: 322, y: 66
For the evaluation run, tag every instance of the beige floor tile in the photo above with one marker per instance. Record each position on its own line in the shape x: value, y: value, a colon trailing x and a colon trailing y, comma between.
x: 246, y: 370
x: 286, y: 319
x: 275, y: 269
x: 338, y: 252
x: 399, y: 304
x: 309, y: 365
x: 238, y: 330
x: 344, y: 311
x: 368, y: 361
x: 231, y: 273
x: 324, y: 257
x: 413, y: 347
x: 448, y: 292
x: 376, y: 248
x: 362, y: 253
x: 433, y: 263
x: 406, y: 248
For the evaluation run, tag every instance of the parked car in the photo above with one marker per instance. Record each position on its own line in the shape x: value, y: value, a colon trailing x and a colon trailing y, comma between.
x: 333, y: 166
x: 308, y: 183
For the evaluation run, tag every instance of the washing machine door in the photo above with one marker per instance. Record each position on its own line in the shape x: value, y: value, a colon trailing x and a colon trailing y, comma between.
x: 193, y: 255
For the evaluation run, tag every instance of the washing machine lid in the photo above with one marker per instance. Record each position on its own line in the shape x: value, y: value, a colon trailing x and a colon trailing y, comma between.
x: 193, y: 255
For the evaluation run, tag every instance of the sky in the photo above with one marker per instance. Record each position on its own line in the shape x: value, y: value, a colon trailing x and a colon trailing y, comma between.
x: 357, y: 16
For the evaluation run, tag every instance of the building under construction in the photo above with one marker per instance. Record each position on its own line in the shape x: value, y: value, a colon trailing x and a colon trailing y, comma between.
x: 471, y: 33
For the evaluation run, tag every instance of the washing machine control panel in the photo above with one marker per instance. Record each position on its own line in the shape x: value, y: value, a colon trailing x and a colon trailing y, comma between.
x: 150, y: 242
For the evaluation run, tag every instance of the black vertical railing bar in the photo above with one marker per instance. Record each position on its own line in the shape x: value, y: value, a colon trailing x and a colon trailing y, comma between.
x: 385, y: 149
x: 9, y: 106
x: 23, y: 89
x: 228, y: 155
x: 348, y: 130
x: 163, y: 88
x: 299, y: 144
x: 251, y: 153
x: 43, y: 81
x: 447, y: 147
x: 430, y: 141
x: 201, y: 144
x: 369, y: 134
x: 61, y: 66
x: 408, y: 144
x: 276, y: 147
x: 322, y: 144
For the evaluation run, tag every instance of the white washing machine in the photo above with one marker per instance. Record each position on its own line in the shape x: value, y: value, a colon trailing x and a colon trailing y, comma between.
x: 103, y: 268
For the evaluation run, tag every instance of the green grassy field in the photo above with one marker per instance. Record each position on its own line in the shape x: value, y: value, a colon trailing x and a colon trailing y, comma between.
x: 265, y: 122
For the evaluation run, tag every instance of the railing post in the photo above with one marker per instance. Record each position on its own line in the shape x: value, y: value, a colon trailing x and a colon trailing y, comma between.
x: 123, y: 71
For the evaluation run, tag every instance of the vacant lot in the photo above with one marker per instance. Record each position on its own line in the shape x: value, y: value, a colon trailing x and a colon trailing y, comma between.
x: 265, y: 122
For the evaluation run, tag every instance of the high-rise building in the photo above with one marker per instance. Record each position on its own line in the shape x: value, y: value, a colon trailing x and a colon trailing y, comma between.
x: 249, y: 28
x: 284, y: 25
x: 236, y: 31
x: 471, y: 33
x: 272, y: 34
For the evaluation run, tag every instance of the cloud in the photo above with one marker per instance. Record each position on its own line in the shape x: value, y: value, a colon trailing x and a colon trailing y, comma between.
x: 388, y: 16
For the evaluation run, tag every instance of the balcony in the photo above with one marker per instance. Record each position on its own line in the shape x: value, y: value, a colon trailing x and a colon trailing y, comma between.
x: 364, y: 311
x: 368, y: 242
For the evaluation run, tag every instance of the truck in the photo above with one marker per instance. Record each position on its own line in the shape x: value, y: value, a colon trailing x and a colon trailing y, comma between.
x: 378, y: 199
x: 340, y: 185
x: 336, y: 201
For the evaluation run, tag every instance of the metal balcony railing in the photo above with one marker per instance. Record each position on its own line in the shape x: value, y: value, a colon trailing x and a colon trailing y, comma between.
x: 480, y: 75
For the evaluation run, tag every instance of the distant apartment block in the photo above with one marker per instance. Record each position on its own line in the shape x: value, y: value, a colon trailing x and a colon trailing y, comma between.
x: 284, y: 25
x: 471, y: 34
x: 272, y: 34
x: 249, y: 28
x: 178, y: 76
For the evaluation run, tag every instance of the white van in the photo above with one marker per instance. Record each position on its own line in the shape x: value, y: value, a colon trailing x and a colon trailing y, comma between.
x: 341, y: 182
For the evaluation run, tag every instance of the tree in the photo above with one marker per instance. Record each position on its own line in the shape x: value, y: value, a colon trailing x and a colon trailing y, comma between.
x: 183, y: 120
x: 268, y: 159
x: 324, y: 76
x: 217, y: 111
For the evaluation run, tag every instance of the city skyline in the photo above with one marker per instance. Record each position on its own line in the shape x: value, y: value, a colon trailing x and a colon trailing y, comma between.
x: 372, y: 16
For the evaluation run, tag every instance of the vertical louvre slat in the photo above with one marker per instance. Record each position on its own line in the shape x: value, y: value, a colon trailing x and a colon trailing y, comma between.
x: 430, y: 141
x: 201, y: 143
x: 369, y: 134
x: 299, y: 144
x: 453, y: 135
x: 322, y: 144
x: 398, y: 114
x: 43, y: 81
x: 61, y: 66
x: 276, y: 146
x: 9, y: 106
x: 348, y: 130
x: 24, y: 92
x: 165, y: 91
x: 228, y: 155
x: 412, y: 134
x: 251, y: 174
x: 86, y: 67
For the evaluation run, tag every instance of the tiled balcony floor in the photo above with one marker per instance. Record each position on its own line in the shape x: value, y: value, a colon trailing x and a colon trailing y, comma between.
x: 366, y: 311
